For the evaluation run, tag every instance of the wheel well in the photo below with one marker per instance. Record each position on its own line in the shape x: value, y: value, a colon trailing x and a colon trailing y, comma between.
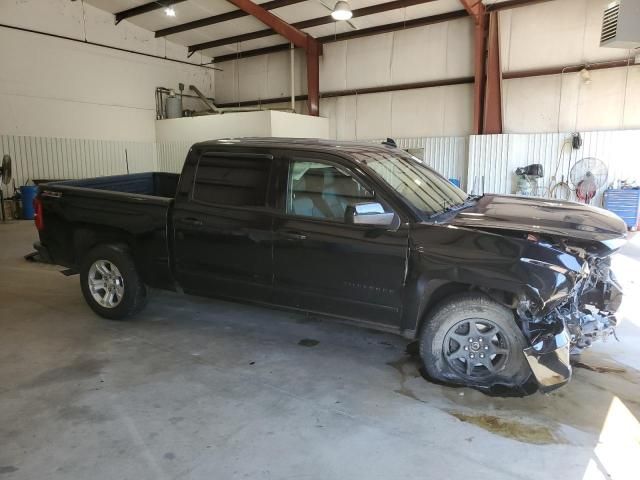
x: 453, y: 288
x: 85, y: 238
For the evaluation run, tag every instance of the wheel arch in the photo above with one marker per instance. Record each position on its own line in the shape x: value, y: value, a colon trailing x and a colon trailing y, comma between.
x: 86, y: 237
x: 437, y: 291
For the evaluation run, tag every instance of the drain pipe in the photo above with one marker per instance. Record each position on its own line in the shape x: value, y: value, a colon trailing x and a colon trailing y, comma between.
x: 293, y: 78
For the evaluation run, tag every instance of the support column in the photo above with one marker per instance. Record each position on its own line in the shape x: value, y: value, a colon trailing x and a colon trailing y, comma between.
x: 479, y: 70
x: 492, y: 121
x: 313, y: 77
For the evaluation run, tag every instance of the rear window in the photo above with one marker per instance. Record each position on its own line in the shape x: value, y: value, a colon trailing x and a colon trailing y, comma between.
x: 239, y: 182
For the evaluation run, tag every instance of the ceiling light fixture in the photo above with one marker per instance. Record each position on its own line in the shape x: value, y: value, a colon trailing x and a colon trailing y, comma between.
x: 585, y: 75
x: 169, y: 12
x: 341, y: 11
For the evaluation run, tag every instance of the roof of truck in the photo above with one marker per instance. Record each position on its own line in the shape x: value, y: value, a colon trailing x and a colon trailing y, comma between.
x: 304, y: 143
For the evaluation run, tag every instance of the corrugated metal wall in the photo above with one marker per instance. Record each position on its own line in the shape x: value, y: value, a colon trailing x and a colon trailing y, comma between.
x: 494, y: 158
x: 483, y: 163
x: 35, y: 158
x: 447, y: 155
x: 171, y: 155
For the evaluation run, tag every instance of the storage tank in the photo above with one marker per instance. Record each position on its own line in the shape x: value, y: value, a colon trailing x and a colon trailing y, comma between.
x: 173, y: 105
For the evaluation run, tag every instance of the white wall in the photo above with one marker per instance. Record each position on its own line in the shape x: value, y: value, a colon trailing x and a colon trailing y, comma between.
x: 59, y: 88
x: 434, y: 52
x: 562, y: 33
x: 552, y: 34
x: 175, y: 136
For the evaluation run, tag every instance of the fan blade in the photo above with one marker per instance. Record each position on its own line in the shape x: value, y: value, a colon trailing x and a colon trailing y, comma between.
x: 325, y: 5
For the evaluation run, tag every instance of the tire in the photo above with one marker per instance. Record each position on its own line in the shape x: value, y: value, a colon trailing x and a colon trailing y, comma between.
x: 127, y: 294
x: 445, y: 347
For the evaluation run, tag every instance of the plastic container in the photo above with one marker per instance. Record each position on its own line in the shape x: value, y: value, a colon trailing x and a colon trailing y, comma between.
x: 28, y: 194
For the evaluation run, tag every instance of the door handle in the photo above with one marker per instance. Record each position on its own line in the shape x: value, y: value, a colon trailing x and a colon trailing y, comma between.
x: 293, y: 236
x: 193, y: 221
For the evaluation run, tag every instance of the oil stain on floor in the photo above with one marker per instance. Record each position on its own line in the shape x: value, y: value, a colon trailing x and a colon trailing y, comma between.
x: 308, y: 342
x: 523, y: 432
x: 400, y: 365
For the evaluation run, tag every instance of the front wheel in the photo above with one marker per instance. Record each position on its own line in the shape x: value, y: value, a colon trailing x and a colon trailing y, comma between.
x: 110, y: 283
x: 472, y: 340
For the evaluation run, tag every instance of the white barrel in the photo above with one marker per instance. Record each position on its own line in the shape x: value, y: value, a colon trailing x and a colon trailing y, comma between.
x: 173, y: 106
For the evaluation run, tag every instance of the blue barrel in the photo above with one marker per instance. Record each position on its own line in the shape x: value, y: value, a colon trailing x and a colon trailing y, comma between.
x: 28, y: 193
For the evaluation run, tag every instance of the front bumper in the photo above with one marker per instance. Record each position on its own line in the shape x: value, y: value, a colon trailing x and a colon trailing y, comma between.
x: 549, y: 361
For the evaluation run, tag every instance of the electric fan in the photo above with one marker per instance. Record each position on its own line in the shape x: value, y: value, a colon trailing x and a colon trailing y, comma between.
x: 588, y: 176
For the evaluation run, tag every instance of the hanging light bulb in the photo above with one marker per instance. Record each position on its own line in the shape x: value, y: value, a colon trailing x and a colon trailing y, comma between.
x: 169, y: 12
x: 341, y: 11
x: 585, y: 75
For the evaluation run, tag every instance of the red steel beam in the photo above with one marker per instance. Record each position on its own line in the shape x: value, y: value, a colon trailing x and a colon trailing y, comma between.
x: 540, y: 72
x: 496, y: 7
x: 313, y: 78
x: 362, y: 32
x: 312, y: 22
x: 357, y: 91
x: 475, y: 8
x: 298, y: 38
x: 223, y: 17
x: 294, y: 35
x: 492, y: 121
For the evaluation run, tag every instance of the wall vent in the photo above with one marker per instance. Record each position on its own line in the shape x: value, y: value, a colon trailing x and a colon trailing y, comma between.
x: 621, y: 25
x: 610, y: 23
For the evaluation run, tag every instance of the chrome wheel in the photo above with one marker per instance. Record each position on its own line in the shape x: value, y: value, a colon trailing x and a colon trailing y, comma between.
x: 106, y: 284
x: 476, y: 348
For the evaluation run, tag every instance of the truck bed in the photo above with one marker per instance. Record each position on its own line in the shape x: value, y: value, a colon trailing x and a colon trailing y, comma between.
x: 134, y: 208
x: 153, y: 184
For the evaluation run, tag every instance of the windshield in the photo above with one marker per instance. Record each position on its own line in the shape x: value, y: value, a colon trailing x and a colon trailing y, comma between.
x: 421, y: 186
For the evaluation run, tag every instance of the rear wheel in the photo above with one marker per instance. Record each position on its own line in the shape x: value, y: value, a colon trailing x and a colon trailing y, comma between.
x: 110, y: 283
x: 472, y: 340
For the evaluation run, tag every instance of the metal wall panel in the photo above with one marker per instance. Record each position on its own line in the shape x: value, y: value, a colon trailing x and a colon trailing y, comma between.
x: 171, y: 155
x: 36, y: 158
x: 447, y: 155
x: 494, y: 158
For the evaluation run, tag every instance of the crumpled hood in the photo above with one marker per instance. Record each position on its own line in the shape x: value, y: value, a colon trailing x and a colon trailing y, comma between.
x: 545, y: 216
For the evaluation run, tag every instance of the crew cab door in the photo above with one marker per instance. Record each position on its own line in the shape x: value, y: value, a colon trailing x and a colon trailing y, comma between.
x: 322, y: 263
x: 222, y: 225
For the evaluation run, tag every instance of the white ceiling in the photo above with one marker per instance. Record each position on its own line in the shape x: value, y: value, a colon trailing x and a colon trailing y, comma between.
x: 190, y: 10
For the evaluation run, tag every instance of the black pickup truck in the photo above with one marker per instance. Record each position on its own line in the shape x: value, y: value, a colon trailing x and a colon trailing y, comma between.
x: 499, y: 290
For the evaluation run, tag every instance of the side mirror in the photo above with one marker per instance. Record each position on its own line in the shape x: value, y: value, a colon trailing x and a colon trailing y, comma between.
x: 371, y: 213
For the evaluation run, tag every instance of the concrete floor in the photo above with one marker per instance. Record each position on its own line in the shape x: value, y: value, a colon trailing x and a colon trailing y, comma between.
x: 203, y: 389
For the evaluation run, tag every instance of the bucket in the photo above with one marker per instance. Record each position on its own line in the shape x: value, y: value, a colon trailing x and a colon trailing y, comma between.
x: 28, y: 194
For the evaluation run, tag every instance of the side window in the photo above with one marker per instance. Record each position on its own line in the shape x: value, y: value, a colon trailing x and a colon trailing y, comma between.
x: 321, y: 190
x: 240, y: 182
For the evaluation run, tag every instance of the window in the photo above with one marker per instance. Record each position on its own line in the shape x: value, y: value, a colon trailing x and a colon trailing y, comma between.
x: 323, y: 191
x: 421, y: 186
x: 240, y: 182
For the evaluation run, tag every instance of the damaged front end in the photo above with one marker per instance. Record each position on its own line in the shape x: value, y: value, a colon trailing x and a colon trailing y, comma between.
x: 570, y: 322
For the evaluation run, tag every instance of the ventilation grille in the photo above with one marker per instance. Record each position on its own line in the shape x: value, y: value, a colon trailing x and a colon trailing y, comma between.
x: 610, y: 23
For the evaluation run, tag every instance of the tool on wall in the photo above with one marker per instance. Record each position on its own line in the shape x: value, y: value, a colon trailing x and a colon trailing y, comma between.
x: 561, y: 190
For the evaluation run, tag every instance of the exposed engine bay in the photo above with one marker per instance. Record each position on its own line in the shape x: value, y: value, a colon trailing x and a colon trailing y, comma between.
x: 571, y: 322
x: 589, y: 313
